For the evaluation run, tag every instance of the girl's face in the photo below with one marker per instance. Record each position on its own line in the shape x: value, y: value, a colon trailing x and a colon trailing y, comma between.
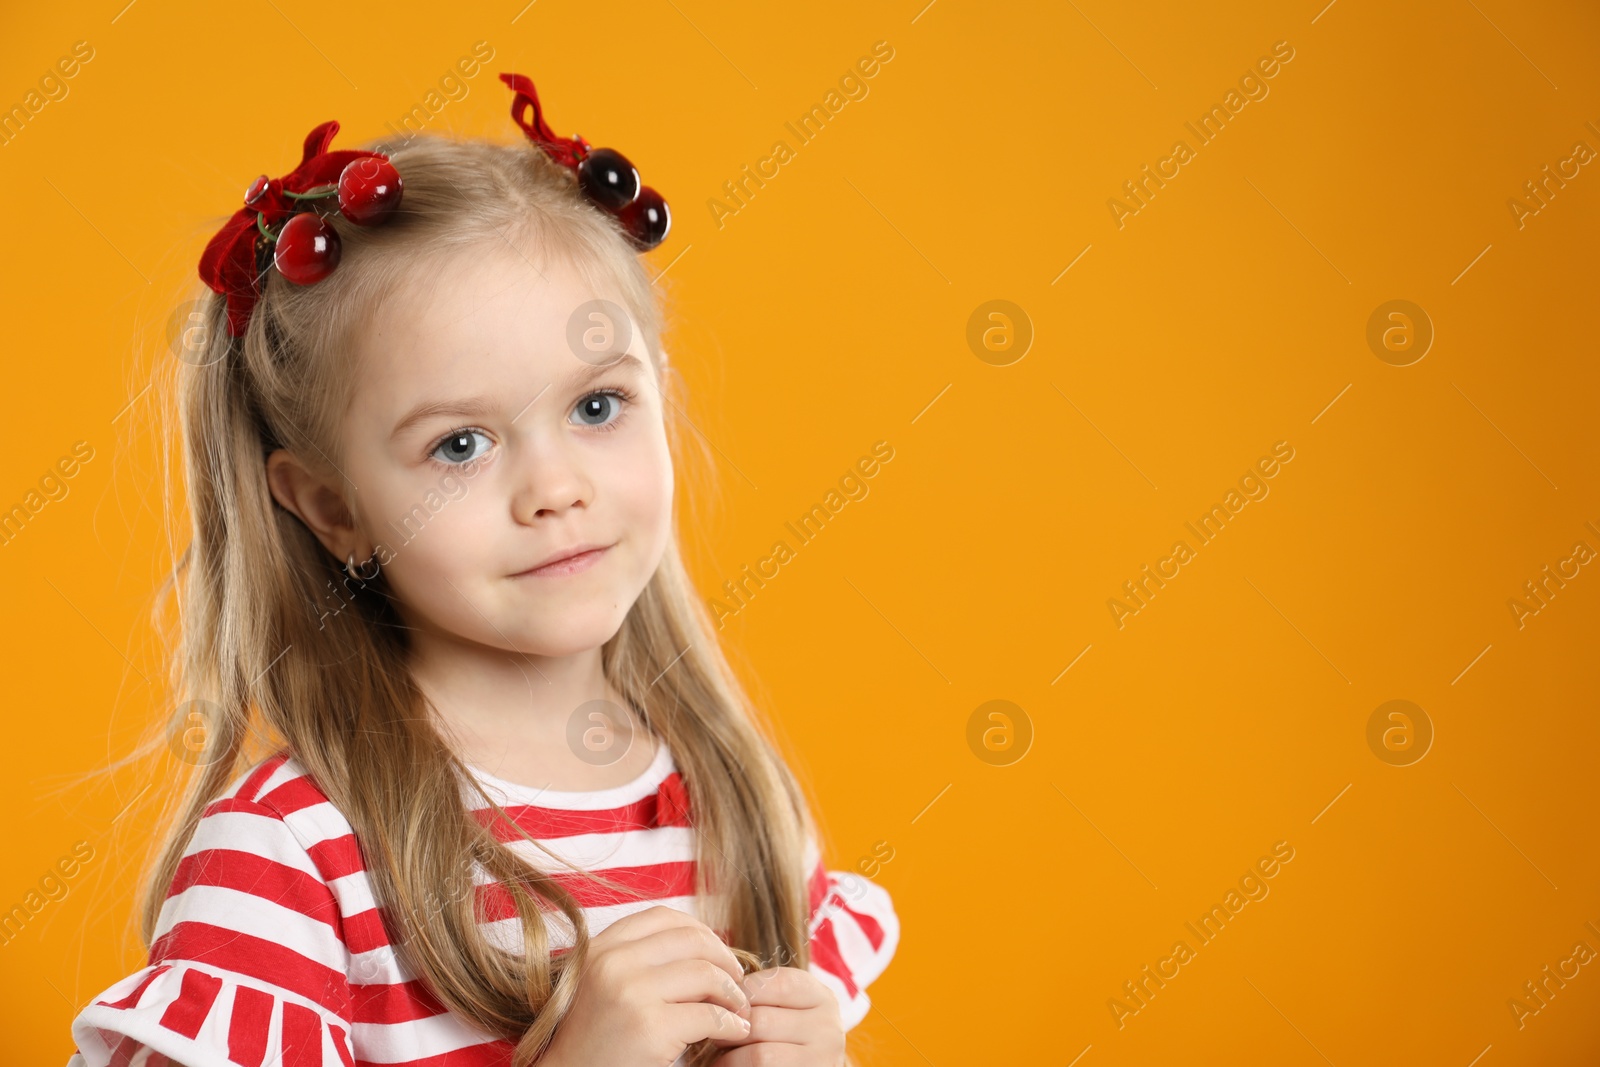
x: 486, y: 436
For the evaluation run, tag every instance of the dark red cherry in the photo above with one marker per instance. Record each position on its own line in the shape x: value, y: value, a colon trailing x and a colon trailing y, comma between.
x: 647, y: 219
x: 307, y: 249
x: 608, y: 178
x: 255, y: 192
x: 369, y: 190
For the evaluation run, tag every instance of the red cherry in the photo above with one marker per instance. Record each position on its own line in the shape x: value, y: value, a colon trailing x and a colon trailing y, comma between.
x: 254, y: 193
x: 369, y: 190
x: 647, y: 220
x: 307, y: 249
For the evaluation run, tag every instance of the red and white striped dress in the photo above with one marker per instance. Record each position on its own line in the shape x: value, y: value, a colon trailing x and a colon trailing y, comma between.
x: 269, y: 951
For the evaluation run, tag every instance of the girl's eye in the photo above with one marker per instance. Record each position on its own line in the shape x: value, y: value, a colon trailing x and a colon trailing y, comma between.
x: 601, y: 410
x: 605, y: 407
x: 456, y: 448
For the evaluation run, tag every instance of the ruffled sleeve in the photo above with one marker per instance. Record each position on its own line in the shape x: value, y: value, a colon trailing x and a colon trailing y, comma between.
x: 854, y: 932
x: 249, y: 965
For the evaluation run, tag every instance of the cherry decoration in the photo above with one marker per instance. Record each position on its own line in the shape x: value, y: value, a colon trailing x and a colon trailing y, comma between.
x: 647, y: 220
x: 307, y: 249
x: 605, y: 176
x: 369, y: 190
x: 608, y: 179
x: 287, y: 222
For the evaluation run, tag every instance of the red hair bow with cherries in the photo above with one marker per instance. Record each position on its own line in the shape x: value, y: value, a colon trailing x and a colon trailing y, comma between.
x: 604, y: 175
x: 282, y: 221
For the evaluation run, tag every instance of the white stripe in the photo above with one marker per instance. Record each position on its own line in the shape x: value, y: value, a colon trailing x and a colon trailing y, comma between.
x: 260, y: 835
x: 354, y: 893
x: 507, y: 792
x: 626, y: 848
x: 286, y: 772
x: 97, y: 1024
x: 402, y: 1042
x: 243, y: 912
x: 319, y: 822
x: 508, y: 932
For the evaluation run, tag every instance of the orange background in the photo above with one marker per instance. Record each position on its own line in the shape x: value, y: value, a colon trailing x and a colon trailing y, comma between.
x: 831, y: 312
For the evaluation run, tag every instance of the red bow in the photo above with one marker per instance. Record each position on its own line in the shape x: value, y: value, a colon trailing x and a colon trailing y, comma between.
x: 229, y: 264
x: 568, y: 151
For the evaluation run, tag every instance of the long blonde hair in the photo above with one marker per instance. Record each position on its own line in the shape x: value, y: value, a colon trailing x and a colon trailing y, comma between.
x: 254, y: 644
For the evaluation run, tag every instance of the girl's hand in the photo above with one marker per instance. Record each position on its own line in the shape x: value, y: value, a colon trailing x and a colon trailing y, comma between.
x: 656, y: 982
x: 794, y: 1023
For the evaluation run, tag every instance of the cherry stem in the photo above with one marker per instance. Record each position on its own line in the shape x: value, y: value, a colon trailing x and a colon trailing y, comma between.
x: 261, y: 224
x: 314, y: 194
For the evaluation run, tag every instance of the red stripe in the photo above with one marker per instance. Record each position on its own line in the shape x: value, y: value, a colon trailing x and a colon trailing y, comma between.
x: 258, y: 777
x: 818, y: 887
x: 366, y: 931
x: 258, y: 958
x: 186, y: 1014
x: 547, y: 824
x: 302, y: 1037
x: 138, y: 991
x: 238, y: 804
x: 341, y: 1043
x: 249, y: 872
x: 125, y: 1049
x: 868, y: 924
x: 655, y: 881
x: 247, y: 1026
x: 294, y: 795
x: 394, y: 1002
x: 825, y: 954
x: 489, y: 1054
x: 543, y: 823
x: 337, y: 857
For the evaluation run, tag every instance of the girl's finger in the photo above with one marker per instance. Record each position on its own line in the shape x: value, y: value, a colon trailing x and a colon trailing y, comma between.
x: 649, y: 921
x: 799, y: 1026
x: 688, y: 1023
x: 695, y: 981
x: 676, y: 943
x: 772, y: 1054
x: 787, y: 987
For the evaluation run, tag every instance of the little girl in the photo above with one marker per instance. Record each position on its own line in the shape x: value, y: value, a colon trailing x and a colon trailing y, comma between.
x: 491, y: 795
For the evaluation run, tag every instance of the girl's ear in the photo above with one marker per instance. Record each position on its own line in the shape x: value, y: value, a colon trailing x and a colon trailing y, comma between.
x: 316, y: 502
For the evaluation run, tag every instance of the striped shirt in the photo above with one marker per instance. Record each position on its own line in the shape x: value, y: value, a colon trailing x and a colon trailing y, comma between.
x: 270, y: 952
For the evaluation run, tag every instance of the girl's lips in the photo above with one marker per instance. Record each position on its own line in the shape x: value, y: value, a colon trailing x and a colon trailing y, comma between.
x: 571, y: 565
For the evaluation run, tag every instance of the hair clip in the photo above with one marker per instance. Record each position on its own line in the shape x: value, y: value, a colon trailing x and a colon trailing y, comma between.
x: 283, y: 223
x: 604, y: 175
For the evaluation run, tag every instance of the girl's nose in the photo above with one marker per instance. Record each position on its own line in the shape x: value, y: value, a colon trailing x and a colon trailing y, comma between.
x: 550, y: 477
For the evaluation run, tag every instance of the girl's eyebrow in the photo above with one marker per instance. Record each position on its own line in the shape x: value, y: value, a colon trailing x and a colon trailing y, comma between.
x: 476, y: 406
x: 471, y: 407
